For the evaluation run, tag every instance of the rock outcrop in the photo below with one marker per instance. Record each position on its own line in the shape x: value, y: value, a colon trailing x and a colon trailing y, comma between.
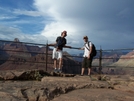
x: 125, y: 60
x: 56, y: 87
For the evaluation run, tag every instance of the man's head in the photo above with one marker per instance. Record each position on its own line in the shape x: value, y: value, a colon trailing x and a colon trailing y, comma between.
x: 64, y: 33
x: 85, y: 38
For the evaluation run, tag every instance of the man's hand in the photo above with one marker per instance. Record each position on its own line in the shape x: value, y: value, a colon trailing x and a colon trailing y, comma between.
x: 88, y: 57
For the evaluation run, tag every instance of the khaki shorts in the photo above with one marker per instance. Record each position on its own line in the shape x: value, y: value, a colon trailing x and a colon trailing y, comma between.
x: 57, y: 54
x: 87, y: 63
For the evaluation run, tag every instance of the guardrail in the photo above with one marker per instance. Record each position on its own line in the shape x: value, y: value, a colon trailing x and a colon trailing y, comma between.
x: 21, y: 48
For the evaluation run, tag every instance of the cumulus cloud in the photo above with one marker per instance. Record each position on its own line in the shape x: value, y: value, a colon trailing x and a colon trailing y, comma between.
x: 28, y: 13
x: 107, y: 23
x: 10, y: 33
x: 103, y: 21
x: 3, y: 17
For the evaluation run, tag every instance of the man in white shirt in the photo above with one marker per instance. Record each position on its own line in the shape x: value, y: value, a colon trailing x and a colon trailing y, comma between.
x: 87, y: 61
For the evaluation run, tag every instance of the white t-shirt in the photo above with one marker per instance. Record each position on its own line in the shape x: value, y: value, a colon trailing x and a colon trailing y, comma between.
x: 86, y: 51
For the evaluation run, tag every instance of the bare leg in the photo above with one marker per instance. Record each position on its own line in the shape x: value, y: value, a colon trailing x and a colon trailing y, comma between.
x: 82, y: 71
x: 89, y: 71
x: 60, y: 63
x: 55, y: 63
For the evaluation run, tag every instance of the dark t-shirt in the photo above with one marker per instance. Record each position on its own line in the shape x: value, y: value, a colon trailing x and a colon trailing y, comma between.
x: 61, y: 41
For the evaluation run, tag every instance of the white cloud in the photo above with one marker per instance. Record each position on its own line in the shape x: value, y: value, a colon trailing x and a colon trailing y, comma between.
x: 60, y: 22
x: 107, y: 23
x: 28, y: 13
x: 97, y: 19
x: 5, y: 17
x: 125, y: 13
x: 10, y: 33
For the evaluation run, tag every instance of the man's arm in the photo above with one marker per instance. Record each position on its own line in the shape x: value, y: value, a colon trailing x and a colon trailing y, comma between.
x: 52, y: 44
x: 81, y: 48
x: 67, y: 46
x: 90, y: 51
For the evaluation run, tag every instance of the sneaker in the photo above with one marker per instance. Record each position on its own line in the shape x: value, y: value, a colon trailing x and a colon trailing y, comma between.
x: 59, y: 71
x: 55, y: 70
x: 89, y: 76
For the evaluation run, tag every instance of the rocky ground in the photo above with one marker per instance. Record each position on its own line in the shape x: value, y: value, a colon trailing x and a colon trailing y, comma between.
x: 43, y: 86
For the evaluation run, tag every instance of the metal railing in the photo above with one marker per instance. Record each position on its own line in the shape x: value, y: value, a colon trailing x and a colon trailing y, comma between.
x: 39, y: 56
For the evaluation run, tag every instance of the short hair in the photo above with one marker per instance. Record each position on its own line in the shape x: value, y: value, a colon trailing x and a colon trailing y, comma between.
x: 64, y: 32
x: 85, y: 37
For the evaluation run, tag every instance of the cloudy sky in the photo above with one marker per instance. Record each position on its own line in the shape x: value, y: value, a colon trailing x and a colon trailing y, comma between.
x: 107, y: 23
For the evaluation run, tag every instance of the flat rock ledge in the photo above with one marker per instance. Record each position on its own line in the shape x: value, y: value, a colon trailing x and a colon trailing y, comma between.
x: 66, y: 87
x: 29, y: 74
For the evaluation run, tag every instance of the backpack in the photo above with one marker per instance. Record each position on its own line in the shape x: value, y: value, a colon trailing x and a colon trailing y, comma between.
x: 94, y: 51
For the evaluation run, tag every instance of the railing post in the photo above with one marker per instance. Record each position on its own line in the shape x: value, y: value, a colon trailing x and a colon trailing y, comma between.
x: 46, y: 55
x: 100, y: 61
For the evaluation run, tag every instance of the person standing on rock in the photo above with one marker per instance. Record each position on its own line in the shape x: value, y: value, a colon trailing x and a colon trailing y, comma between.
x: 87, y: 60
x: 57, y: 51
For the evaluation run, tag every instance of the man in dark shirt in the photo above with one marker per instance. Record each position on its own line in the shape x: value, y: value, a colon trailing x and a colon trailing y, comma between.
x: 57, y: 51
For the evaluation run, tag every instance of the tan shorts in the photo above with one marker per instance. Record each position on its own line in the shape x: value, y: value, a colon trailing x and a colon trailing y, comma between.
x: 57, y: 54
